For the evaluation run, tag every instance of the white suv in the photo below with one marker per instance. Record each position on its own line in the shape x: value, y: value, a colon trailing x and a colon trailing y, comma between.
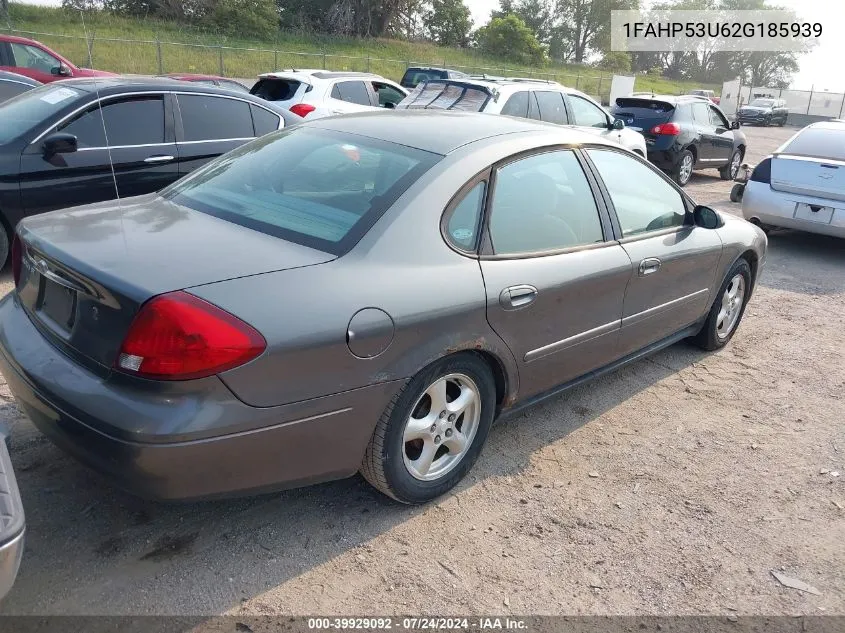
x: 528, y: 98
x: 317, y: 93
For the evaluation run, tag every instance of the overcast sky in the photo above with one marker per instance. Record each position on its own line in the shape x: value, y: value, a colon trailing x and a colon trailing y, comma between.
x: 819, y: 69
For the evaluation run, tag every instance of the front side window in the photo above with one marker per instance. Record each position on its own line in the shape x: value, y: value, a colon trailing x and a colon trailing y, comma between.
x: 552, y: 109
x: 464, y: 219
x: 643, y: 200
x: 32, y: 57
x: 387, y: 94
x: 587, y: 114
x: 543, y: 203
x: 124, y: 122
x: 214, y: 118
x: 716, y: 118
x: 35, y: 108
x: 351, y: 92
x: 314, y: 187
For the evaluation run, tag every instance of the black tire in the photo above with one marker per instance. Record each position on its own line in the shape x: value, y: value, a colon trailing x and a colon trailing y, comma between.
x: 384, y: 466
x: 782, y: 122
x: 729, y: 171
x: 680, y: 175
x: 737, y: 191
x: 4, y: 246
x: 708, y: 338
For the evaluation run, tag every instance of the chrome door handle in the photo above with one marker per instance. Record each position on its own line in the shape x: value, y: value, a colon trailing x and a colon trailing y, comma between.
x: 515, y: 297
x: 648, y: 266
x: 154, y: 160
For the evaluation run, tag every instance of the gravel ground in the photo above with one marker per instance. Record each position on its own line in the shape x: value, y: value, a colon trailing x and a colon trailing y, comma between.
x: 673, y: 486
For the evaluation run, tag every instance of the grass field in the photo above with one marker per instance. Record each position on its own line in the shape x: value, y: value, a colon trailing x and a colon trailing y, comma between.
x: 145, y: 46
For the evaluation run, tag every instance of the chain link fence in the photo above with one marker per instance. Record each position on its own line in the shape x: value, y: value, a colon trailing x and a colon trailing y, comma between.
x: 155, y: 57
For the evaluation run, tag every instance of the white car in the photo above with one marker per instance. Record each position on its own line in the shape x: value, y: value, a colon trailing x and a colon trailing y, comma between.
x: 802, y: 185
x: 313, y: 93
x: 527, y: 98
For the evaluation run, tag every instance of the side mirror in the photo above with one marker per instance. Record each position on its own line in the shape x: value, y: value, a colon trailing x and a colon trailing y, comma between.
x: 706, y: 218
x: 61, y: 70
x: 735, y: 125
x: 59, y: 143
x: 618, y: 124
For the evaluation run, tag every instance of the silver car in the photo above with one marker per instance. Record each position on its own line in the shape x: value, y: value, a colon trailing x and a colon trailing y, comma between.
x: 802, y: 185
x: 358, y: 293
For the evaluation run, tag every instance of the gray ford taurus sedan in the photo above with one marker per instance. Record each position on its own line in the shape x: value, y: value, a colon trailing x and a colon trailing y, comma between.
x: 362, y: 293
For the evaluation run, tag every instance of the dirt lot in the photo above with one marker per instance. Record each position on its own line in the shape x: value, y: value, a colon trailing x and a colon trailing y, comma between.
x: 672, y: 486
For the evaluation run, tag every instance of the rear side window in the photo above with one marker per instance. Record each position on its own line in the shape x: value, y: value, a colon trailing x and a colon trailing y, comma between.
x: 463, y: 221
x: 263, y: 121
x: 818, y: 142
x: 214, y: 118
x: 276, y: 89
x: 318, y: 188
x: 352, y: 92
x: 701, y: 113
x: 551, y: 106
x: 517, y: 105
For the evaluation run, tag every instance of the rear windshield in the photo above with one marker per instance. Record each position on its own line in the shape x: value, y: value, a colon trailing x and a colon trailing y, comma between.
x: 819, y: 143
x: 22, y: 113
x: 644, y: 105
x: 317, y: 188
x: 446, y: 95
x: 276, y: 89
x: 415, y: 76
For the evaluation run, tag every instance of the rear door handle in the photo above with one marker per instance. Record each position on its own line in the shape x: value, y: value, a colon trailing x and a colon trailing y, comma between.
x: 155, y: 160
x: 515, y: 297
x: 648, y: 266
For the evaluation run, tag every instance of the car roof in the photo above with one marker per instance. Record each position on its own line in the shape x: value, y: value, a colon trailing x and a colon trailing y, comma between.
x: 18, y: 40
x: 191, y: 76
x: 306, y: 73
x: 440, y: 68
x: 29, y: 81
x: 834, y: 124
x: 442, y: 132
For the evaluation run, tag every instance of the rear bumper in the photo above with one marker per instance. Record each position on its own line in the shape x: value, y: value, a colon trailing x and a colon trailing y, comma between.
x: 187, y: 444
x: 12, y: 523
x: 767, y: 206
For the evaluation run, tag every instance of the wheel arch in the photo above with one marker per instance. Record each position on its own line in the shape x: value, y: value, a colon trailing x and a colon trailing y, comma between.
x: 753, y: 260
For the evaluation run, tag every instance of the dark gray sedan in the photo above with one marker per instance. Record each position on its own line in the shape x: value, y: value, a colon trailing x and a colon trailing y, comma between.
x: 362, y: 293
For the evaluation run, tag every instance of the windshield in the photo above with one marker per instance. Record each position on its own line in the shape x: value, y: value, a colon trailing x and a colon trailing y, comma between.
x: 446, y: 95
x: 763, y: 103
x: 22, y: 113
x: 317, y: 188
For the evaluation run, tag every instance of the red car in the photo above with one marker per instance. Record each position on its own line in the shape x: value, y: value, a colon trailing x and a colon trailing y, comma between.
x: 33, y: 59
x: 213, y: 80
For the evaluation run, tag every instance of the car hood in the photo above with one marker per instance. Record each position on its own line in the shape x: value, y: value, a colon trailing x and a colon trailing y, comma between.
x: 754, y: 109
x: 146, y: 245
x: 90, y: 72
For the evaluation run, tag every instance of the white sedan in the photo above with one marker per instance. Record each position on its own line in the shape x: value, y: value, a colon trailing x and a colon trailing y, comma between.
x: 802, y: 185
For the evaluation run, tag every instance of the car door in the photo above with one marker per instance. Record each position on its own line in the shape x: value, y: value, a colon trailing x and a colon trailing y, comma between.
x: 34, y: 62
x: 705, y: 131
x: 723, y: 136
x: 349, y: 96
x: 125, y: 146
x: 591, y: 118
x: 555, y: 278
x: 674, y: 262
x: 208, y: 126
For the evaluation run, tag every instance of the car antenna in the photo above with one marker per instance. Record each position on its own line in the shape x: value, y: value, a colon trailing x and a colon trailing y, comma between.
x: 100, y: 108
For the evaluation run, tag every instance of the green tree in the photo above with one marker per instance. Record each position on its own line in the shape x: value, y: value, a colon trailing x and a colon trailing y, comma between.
x: 582, y: 27
x: 509, y: 38
x: 448, y: 22
x: 616, y: 61
x: 538, y: 15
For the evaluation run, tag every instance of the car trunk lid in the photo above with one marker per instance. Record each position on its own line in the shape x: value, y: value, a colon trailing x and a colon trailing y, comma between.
x: 87, y: 271
x: 807, y: 176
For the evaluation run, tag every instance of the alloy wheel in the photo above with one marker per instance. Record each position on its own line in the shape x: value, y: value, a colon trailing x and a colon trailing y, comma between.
x: 731, y: 307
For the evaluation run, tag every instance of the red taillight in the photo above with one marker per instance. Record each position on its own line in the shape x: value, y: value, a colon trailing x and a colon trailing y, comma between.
x: 302, y: 109
x: 666, y: 129
x: 177, y: 336
x: 17, y: 259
